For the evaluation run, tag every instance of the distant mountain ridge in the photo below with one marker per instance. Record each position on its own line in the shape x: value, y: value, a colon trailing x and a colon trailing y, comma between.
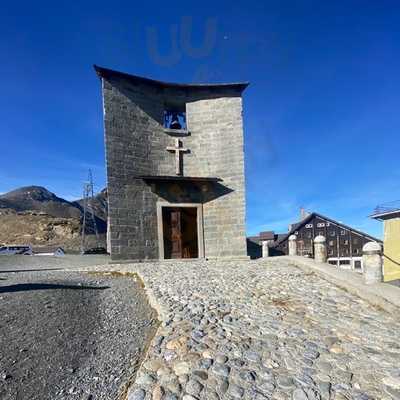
x: 33, y: 214
x: 39, y: 199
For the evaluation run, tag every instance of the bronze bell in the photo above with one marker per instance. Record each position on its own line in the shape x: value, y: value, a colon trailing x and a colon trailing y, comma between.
x: 175, y: 124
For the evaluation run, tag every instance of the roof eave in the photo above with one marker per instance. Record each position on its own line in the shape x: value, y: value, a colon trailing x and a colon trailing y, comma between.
x: 386, y: 215
x: 108, y: 73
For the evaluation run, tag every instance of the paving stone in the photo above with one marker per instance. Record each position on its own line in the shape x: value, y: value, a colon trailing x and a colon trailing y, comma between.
x: 181, y: 368
x: 138, y: 394
x: 393, y: 382
x: 299, y: 394
x: 201, y: 374
x: 284, y: 382
x: 193, y: 387
x: 222, y: 370
x: 236, y: 391
x: 221, y: 358
x: 145, y: 379
x: 158, y: 392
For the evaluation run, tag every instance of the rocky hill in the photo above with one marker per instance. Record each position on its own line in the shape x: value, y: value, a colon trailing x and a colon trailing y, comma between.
x: 34, y: 215
x: 37, y: 198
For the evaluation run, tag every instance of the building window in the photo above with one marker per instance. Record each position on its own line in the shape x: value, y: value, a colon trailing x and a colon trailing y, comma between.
x: 331, y: 243
x: 309, y: 235
x: 309, y: 226
x: 346, y: 242
x: 342, y: 232
x: 357, y: 264
x: 320, y: 225
x: 330, y: 252
x: 332, y: 233
x: 356, y: 251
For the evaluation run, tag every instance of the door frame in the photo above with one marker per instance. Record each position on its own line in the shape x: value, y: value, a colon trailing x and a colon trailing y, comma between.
x: 200, y: 230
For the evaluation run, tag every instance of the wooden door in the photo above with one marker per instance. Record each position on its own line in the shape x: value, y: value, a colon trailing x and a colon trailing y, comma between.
x: 176, y: 234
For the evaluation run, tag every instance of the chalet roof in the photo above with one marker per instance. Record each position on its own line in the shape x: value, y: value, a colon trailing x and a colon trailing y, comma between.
x: 109, y: 73
x: 267, y: 235
x: 298, y: 225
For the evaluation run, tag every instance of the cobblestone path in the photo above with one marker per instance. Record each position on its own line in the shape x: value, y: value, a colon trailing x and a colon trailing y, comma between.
x: 263, y: 330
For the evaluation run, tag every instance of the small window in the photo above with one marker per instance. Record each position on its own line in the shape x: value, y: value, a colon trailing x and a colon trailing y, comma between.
x: 342, y: 232
x: 357, y: 264
x: 308, y: 226
x: 356, y: 251
x: 346, y: 242
x: 320, y: 225
x: 344, y: 262
x: 331, y: 243
x: 174, y: 119
x: 332, y: 233
x: 309, y: 235
x: 330, y: 252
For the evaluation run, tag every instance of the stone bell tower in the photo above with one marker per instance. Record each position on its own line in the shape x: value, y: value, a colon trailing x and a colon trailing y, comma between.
x: 175, y: 168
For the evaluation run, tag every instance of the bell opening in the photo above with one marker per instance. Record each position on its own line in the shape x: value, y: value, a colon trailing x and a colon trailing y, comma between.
x: 174, y: 119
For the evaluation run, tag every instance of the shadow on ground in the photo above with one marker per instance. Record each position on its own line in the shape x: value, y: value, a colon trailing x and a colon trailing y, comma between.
x: 23, y: 287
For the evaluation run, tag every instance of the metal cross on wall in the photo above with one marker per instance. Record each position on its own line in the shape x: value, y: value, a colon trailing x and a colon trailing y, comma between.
x: 178, y: 149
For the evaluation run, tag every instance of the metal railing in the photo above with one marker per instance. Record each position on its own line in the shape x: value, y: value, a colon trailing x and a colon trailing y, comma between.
x: 387, y: 207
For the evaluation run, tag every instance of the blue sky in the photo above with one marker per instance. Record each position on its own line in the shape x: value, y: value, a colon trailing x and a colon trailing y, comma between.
x: 322, y: 118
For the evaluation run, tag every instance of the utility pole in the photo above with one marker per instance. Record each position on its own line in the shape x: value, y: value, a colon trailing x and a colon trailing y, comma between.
x: 88, y: 213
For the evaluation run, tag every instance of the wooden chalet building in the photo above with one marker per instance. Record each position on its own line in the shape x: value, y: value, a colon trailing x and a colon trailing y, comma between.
x: 344, y: 244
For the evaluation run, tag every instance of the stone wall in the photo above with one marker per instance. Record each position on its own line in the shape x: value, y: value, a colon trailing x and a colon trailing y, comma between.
x: 136, y: 145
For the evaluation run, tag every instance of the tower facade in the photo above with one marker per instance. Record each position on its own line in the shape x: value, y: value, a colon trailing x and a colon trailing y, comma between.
x: 175, y: 168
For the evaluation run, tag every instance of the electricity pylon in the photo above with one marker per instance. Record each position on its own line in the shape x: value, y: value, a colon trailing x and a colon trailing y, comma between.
x: 88, y: 213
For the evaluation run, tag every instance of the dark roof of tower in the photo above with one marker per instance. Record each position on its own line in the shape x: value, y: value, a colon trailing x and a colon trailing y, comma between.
x: 108, y: 73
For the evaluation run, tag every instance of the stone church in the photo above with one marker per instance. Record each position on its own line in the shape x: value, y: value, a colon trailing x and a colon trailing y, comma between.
x: 175, y: 168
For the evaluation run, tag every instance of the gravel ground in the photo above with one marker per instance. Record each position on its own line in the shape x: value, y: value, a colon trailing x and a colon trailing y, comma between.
x: 69, y: 335
x: 70, y: 261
